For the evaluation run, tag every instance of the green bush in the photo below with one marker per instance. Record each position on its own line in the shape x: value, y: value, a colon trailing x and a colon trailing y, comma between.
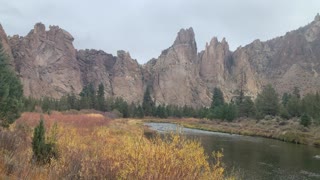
x: 305, y: 120
x: 42, y: 151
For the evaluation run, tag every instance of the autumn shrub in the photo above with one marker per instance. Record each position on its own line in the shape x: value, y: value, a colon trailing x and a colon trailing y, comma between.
x: 100, y: 149
x: 123, y: 156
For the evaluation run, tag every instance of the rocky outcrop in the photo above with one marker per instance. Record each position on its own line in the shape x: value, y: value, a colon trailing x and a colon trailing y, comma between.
x: 96, y: 67
x: 46, y: 62
x: 176, y: 77
x: 127, y: 79
x: 49, y: 65
x: 215, y: 64
x: 285, y: 62
x: 121, y: 75
x: 5, y: 44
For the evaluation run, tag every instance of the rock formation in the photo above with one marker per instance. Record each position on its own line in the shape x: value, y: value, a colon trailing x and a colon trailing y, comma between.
x: 215, y: 65
x: 127, y: 79
x: 5, y: 43
x: 46, y: 62
x: 96, y: 67
x: 285, y: 62
x: 175, y: 74
x: 49, y: 65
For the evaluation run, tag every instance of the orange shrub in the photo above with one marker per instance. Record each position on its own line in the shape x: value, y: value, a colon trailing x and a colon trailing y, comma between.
x: 93, y: 147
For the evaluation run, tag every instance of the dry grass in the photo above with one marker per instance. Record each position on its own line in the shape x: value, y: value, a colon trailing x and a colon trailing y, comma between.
x: 93, y: 147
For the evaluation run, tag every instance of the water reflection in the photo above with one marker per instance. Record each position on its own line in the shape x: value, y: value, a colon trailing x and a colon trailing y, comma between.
x: 255, y: 157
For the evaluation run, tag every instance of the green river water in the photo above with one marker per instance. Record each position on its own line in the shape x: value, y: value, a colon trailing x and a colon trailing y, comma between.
x: 254, y: 157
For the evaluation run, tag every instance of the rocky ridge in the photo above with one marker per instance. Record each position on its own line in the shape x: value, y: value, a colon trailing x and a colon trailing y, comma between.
x: 49, y: 65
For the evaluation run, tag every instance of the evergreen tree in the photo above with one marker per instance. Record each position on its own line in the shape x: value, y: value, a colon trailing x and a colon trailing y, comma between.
x: 88, y: 97
x: 38, y: 141
x: 73, y: 101
x: 283, y: 112
x: 122, y: 106
x: 267, y: 102
x: 100, y: 98
x: 296, y: 92
x: 139, y: 112
x: 246, y: 108
x: 109, y: 103
x: 203, y: 113
x: 217, y: 98
x: 161, y: 112
x: 63, y: 104
x: 46, y: 105
x: 311, y: 105
x: 285, y: 98
x: 148, y: 105
x: 11, y: 92
x: 42, y: 151
x: 305, y: 120
x: 230, y: 112
x: 29, y: 104
x: 294, y: 106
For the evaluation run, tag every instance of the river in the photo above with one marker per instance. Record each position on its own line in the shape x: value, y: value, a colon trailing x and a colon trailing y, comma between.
x: 255, y: 157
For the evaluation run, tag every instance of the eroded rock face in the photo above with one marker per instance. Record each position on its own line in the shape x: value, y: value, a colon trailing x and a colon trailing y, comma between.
x: 127, y: 79
x: 48, y: 65
x: 46, y: 62
x: 176, y: 76
x: 96, y: 67
x: 215, y: 64
x: 285, y: 62
x: 121, y: 75
x: 5, y: 44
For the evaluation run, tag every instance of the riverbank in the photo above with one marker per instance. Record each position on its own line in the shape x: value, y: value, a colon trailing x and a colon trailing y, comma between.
x: 93, y: 146
x: 274, y: 128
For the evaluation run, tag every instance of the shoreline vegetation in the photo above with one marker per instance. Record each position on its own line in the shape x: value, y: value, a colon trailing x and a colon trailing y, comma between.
x: 90, y: 145
x: 290, y: 131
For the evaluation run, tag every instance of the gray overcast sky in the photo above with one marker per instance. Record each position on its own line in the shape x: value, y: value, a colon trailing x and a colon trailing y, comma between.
x: 146, y: 27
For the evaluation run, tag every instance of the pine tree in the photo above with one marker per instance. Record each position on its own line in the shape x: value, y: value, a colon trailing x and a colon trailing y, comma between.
x: 148, y: 105
x: 73, y: 101
x: 101, y: 98
x: 122, y: 106
x: 46, y: 105
x: 294, y: 106
x: 217, y: 98
x: 285, y: 98
x: 267, y: 102
x: 38, y: 141
x: 246, y: 108
x: 139, y: 112
x: 29, y: 104
x: 296, y: 92
x: 88, y: 97
x: 230, y: 112
x: 11, y: 92
x: 283, y: 112
x: 42, y: 151
x: 305, y: 120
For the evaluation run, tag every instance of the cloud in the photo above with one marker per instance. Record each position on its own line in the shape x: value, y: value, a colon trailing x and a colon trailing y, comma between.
x: 146, y: 27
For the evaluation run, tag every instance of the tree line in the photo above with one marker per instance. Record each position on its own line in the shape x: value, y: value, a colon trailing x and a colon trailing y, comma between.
x: 267, y: 103
x: 290, y: 105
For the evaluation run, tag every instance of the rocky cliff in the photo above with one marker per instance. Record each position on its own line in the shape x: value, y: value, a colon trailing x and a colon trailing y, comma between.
x: 49, y: 65
x: 176, y: 75
x: 5, y: 44
x: 285, y: 62
x: 46, y: 62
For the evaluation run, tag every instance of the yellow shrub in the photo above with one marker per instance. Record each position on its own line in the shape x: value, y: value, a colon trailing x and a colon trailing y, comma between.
x: 119, y: 151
